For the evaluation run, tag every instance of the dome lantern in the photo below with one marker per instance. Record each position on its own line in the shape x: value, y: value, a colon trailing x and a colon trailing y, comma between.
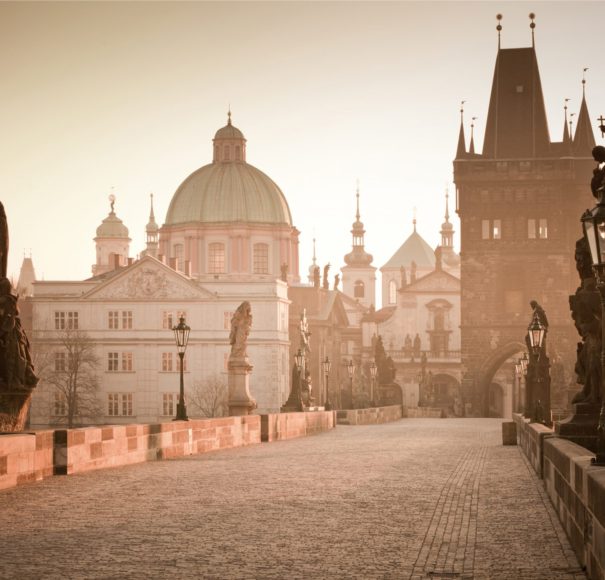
x: 229, y: 144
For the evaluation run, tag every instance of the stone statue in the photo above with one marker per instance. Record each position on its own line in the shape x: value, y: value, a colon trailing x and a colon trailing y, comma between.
x: 336, y: 281
x: 413, y: 272
x: 305, y: 335
x: 326, y: 284
x: 539, y: 312
x: 284, y: 272
x: 597, y: 184
x: 417, y: 345
x: 316, y: 277
x: 241, y: 322
x: 407, y: 345
x: 17, y: 377
x: 403, y: 276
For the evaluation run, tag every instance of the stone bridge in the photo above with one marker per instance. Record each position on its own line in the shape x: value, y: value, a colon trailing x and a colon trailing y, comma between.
x: 414, y: 498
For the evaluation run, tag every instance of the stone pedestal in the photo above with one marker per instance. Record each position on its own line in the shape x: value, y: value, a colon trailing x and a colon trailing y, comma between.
x: 14, y: 407
x: 240, y: 400
x: 581, y: 426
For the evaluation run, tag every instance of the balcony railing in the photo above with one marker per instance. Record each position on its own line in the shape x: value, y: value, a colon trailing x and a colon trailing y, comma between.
x: 402, y: 356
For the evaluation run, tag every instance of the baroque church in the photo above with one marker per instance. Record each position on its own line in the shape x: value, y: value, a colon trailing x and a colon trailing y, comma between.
x: 228, y: 237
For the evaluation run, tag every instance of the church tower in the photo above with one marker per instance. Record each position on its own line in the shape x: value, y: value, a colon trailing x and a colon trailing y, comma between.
x: 519, y: 203
x: 112, y: 243
x: 152, y: 234
x: 359, y: 276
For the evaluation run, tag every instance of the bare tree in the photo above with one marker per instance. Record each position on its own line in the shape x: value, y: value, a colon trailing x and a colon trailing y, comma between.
x: 70, y: 367
x: 210, y: 397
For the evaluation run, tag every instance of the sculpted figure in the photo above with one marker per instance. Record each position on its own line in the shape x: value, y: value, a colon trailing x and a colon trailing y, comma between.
x: 316, y: 277
x: 326, y: 283
x: 336, y: 281
x: 539, y: 312
x: 240, y: 329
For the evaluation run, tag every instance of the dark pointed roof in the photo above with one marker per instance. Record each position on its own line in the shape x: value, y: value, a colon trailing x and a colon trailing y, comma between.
x: 516, y: 122
x: 583, y: 141
x: 461, y: 150
x: 414, y: 249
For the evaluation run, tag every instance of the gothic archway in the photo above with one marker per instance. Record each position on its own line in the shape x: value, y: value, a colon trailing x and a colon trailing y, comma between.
x: 490, y: 367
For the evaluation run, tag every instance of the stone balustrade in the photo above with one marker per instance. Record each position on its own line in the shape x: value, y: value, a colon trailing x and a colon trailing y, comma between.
x: 576, y: 489
x: 27, y: 457
x: 370, y: 416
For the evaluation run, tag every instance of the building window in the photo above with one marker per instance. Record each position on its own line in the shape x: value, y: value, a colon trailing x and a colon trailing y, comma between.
x: 167, y: 320
x: 167, y: 362
x: 543, y: 229
x: 119, y: 404
x: 168, y: 403
x: 112, y: 361
x: 491, y: 229
x: 60, y: 404
x: 392, y: 292
x: 127, y: 319
x: 178, y: 252
x: 531, y: 229
x: 66, y: 320
x: 127, y: 362
x: 60, y: 362
x: 227, y: 316
x: 113, y: 319
x: 172, y: 363
x: 260, y: 259
x: 359, y: 289
x: 216, y: 258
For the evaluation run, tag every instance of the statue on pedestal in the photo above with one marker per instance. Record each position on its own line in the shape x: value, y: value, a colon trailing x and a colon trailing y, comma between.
x: 17, y: 377
x: 240, y: 400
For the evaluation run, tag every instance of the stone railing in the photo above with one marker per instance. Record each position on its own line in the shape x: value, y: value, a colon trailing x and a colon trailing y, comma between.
x: 575, y: 487
x: 27, y: 457
x: 370, y: 416
x: 403, y: 356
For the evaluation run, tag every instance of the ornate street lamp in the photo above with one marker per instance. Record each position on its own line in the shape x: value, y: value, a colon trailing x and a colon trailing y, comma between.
x: 181, y: 337
x: 326, y: 365
x: 593, y: 223
x: 524, y: 360
x: 351, y: 371
x: 373, y: 372
x: 299, y: 360
x: 537, y: 332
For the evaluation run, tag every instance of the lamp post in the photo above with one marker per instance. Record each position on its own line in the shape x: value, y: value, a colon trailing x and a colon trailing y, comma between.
x: 299, y: 359
x: 593, y: 224
x: 373, y: 371
x: 351, y: 371
x: 326, y: 365
x: 518, y: 371
x: 181, y: 337
x: 540, y: 378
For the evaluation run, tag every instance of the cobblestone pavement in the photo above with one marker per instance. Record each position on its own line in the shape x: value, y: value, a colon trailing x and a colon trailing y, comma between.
x: 419, y: 498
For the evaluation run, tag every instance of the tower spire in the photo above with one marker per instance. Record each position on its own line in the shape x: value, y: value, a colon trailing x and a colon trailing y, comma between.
x: 357, y: 215
x: 461, y: 149
x: 152, y: 233
x: 471, y: 149
x: 229, y: 115
x: 566, y: 139
x: 584, y: 140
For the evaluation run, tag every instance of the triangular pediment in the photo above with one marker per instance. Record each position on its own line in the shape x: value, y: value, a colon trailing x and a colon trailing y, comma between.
x: 148, y: 279
x: 436, y: 281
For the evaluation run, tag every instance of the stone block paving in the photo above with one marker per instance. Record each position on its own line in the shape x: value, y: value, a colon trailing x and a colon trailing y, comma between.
x: 418, y: 498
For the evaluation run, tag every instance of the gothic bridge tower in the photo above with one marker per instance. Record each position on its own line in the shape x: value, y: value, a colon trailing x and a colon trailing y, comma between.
x: 519, y: 202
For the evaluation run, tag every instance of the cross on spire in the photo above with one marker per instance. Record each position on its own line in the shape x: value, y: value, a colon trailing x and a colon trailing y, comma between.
x: 601, y: 120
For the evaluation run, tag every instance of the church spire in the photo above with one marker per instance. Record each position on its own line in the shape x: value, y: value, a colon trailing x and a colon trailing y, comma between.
x: 447, y: 230
x: 471, y: 149
x: 583, y: 140
x: 566, y: 138
x: 358, y: 256
x: 461, y: 150
x: 152, y: 232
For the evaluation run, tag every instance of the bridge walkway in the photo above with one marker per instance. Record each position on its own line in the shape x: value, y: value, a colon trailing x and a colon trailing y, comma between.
x: 418, y: 498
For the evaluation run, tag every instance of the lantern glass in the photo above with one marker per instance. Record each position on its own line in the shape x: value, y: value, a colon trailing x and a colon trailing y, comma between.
x: 593, y: 223
x: 536, y: 331
x: 518, y: 369
x: 298, y: 359
x: 351, y: 368
x: 327, y: 365
x: 373, y: 369
x: 524, y: 360
x: 181, y: 335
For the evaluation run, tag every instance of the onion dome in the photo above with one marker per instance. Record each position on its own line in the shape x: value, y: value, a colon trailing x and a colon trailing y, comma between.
x: 112, y: 226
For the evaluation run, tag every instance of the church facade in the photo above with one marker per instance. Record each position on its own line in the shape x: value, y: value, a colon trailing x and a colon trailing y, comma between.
x: 228, y: 237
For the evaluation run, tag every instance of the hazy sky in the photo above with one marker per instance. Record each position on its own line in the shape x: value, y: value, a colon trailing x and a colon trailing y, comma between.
x: 129, y: 95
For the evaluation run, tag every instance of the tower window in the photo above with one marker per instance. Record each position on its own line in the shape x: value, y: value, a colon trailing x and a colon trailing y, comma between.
x: 491, y: 229
x: 227, y: 152
x: 359, y: 290
x: 238, y: 153
x: 392, y: 292
x: 216, y: 258
x: 261, y: 259
x: 539, y: 232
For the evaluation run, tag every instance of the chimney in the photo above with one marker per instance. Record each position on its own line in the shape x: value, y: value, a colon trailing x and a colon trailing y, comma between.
x: 162, y: 258
x: 130, y: 261
x: 188, y: 268
x: 173, y: 263
x: 117, y: 261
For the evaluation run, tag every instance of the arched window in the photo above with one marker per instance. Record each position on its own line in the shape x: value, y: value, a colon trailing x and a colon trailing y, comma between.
x: 260, y: 256
x: 216, y: 258
x: 238, y: 153
x: 227, y: 154
x: 439, y: 320
x: 392, y: 292
x: 359, y: 289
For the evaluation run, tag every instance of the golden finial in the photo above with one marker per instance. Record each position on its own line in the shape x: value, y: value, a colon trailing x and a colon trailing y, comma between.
x: 584, y: 81
x: 499, y: 27
x: 532, y: 25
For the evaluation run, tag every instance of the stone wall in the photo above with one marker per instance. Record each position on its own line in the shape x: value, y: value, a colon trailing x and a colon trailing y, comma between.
x: 370, y: 416
x: 424, y: 413
x: 279, y: 426
x: 575, y: 487
x: 25, y: 457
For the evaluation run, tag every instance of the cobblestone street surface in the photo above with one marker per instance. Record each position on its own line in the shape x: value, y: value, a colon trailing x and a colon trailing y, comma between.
x: 418, y: 498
